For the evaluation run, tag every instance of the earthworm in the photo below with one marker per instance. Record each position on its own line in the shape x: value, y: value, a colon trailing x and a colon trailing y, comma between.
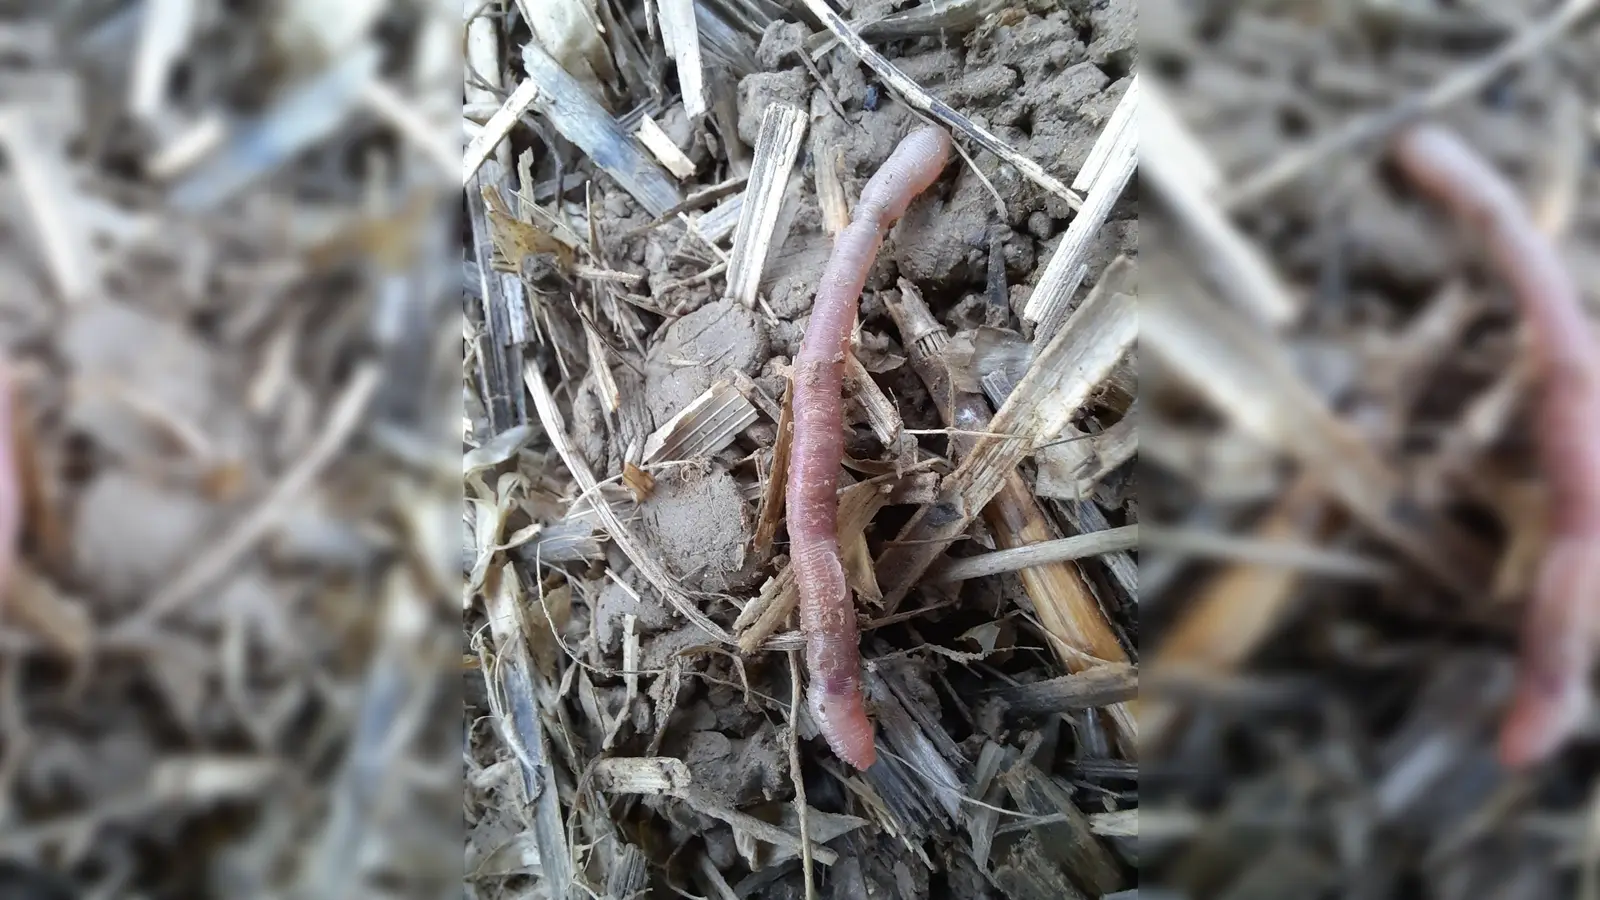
x: 1559, y: 637
x: 11, y: 485
x: 827, y: 613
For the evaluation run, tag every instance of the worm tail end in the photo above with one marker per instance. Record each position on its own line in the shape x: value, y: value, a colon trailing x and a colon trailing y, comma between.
x: 844, y: 723
x: 1558, y: 650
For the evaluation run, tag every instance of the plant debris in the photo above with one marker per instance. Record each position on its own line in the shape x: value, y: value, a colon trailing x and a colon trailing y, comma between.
x: 630, y: 616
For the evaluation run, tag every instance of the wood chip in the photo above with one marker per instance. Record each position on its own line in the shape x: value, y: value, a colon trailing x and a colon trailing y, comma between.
x: 1069, y: 841
x: 1076, y: 547
x: 859, y: 503
x: 402, y: 113
x: 1122, y: 823
x: 1236, y: 609
x: 631, y: 775
x: 658, y: 143
x: 709, y: 423
x: 42, y: 607
x: 929, y: 20
x: 1070, y: 470
x: 581, y: 120
x: 829, y: 157
x: 167, y: 27
x: 883, y: 416
x: 1191, y: 162
x: 681, y: 36
x: 770, y: 513
x: 1099, y: 686
x: 916, y: 748
x: 303, y: 117
x: 503, y: 298
x: 1114, y: 138
x: 1226, y: 465
x: 572, y: 33
x: 777, y: 145
x: 53, y: 205
x: 1284, y: 554
x: 721, y: 220
x: 499, y: 125
x: 512, y: 696
x: 640, y: 484
x: 1048, y: 304
x: 600, y: 369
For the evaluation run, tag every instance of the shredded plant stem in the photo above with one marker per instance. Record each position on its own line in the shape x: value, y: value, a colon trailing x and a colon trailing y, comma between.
x: 1559, y: 638
x: 827, y: 613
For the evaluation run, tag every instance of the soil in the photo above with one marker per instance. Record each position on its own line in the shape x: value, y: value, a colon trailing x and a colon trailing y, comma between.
x: 1044, y: 77
x: 1349, y: 753
x: 695, y: 351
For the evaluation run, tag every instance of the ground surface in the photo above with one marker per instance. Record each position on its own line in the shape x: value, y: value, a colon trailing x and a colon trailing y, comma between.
x: 1044, y: 77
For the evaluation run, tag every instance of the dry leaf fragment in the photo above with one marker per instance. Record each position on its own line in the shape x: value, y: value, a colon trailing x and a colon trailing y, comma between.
x: 638, y: 482
x: 515, y: 239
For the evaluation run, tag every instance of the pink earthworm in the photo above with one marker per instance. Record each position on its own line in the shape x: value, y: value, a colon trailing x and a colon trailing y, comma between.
x: 1559, y: 634
x: 827, y: 613
x: 11, y: 486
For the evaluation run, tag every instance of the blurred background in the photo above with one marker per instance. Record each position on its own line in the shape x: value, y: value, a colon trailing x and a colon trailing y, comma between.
x: 228, y: 284
x: 1342, y: 508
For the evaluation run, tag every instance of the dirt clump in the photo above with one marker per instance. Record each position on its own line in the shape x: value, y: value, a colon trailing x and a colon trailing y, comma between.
x: 697, y: 350
x: 699, y: 522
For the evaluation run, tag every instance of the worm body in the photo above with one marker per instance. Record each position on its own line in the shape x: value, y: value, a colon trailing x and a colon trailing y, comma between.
x: 827, y: 613
x: 10, y: 484
x: 1559, y: 636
